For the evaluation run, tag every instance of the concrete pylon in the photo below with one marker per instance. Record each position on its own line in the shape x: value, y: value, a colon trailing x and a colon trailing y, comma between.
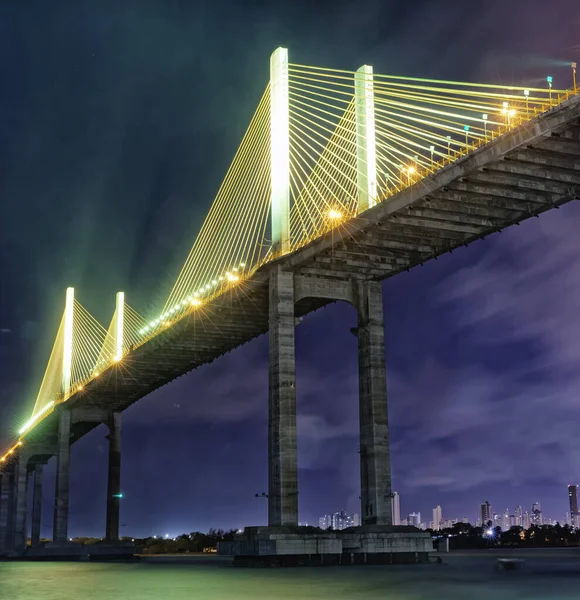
x: 366, y: 154
x: 282, y: 449
x: 280, y: 150
x: 6, y: 481
x: 375, y: 458
x: 36, y: 505
x: 114, y: 478
x: 61, y: 499
x: 20, y: 503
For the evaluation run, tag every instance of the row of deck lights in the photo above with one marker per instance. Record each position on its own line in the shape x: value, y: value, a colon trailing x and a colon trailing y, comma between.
x: 194, y: 299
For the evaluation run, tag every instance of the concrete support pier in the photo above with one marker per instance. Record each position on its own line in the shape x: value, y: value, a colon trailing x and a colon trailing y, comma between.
x: 20, y: 503
x: 5, y: 494
x: 282, y: 451
x: 36, y: 505
x: 114, y: 478
x: 375, y: 460
x: 61, y: 500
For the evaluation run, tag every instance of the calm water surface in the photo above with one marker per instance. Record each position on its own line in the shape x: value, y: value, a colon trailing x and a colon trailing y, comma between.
x: 554, y: 577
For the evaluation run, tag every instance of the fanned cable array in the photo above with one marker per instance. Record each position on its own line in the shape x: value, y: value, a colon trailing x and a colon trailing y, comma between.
x: 232, y: 240
x: 75, y: 352
x: 323, y: 157
x: 133, y: 324
x: 419, y: 126
x: 51, y: 385
x: 423, y: 124
x: 89, y: 338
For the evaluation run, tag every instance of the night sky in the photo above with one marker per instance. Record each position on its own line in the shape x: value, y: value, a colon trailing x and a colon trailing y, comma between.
x: 117, y: 123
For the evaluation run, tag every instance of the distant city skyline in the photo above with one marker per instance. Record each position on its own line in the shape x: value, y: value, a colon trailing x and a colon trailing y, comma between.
x: 518, y: 517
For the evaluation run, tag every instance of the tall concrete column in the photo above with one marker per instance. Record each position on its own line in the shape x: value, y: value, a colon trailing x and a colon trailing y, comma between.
x: 282, y: 451
x: 36, y: 505
x: 114, y: 478
x: 61, y: 499
x: 20, y: 503
x: 375, y: 460
x: 5, y: 493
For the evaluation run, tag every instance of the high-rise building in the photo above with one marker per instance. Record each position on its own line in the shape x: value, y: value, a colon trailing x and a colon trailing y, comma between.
x: 505, y: 520
x: 414, y: 519
x: 485, y: 513
x: 536, y: 514
x: 339, y: 520
x: 437, y: 518
x: 526, y: 523
x: 573, y: 499
x: 396, y: 508
x: 518, y: 515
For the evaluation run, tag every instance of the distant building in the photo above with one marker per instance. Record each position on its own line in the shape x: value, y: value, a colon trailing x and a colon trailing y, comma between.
x: 573, y: 499
x: 576, y: 521
x: 339, y: 520
x: 414, y: 519
x: 396, y: 508
x: 485, y: 513
x: 518, y: 515
x: 526, y: 520
x: 505, y: 520
x: 437, y: 518
x: 536, y: 514
x: 513, y: 521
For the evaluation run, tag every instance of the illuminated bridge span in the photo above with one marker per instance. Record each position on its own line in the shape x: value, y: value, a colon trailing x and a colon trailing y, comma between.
x: 341, y: 180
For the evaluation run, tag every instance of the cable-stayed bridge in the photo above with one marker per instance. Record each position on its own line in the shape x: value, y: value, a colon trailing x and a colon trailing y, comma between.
x: 342, y: 179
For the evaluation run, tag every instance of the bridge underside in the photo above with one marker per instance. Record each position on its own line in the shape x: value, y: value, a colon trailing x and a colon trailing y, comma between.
x: 519, y: 175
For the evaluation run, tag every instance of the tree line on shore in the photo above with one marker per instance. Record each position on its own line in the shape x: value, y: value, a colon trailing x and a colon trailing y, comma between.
x: 465, y: 536
x: 462, y: 536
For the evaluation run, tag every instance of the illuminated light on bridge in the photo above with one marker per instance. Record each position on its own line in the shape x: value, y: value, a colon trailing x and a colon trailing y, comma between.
x: 324, y: 146
x: 35, y: 418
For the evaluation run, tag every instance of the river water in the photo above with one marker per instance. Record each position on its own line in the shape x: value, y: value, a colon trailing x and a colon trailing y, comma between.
x: 556, y: 577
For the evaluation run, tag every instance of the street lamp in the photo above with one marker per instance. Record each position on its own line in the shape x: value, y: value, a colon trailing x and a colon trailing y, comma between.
x: 485, y: 117
x: 549, y: 79
x: 449, y: 146
x: 466, y: 129
x: 432, y: 150
x: 574, y: 76
x: 505, y: 111
x: 527, y: 95
x: 410, y: 172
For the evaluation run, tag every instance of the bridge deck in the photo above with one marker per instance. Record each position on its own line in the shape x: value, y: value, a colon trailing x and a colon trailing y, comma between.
x: 519, y: 175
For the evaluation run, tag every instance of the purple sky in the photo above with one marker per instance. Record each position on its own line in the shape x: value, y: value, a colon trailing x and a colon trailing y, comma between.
x: 117, y: 122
